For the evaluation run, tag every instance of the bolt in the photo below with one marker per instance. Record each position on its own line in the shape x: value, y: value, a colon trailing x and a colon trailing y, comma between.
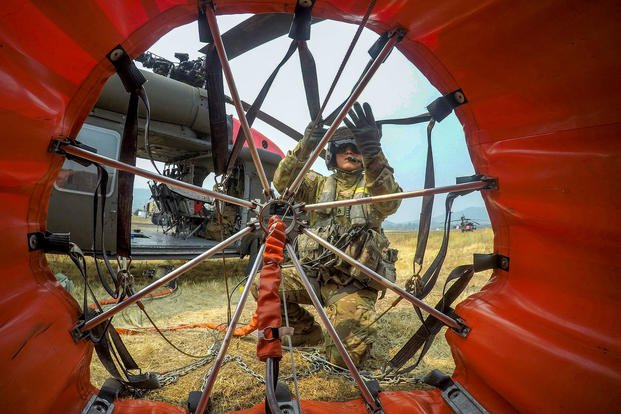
x: 116, y: 54
x: 504, y: 263
x: 305, y: 3
x: 33, y: 242
x: 459, y: 97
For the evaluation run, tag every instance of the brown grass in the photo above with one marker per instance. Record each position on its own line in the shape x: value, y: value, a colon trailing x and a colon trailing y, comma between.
x: 202, y: 298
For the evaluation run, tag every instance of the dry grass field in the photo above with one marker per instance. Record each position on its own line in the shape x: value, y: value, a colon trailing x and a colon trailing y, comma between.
x: 202, y: 297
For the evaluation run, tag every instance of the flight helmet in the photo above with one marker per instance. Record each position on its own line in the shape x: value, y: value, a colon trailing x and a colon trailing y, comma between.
x: 342, y: 137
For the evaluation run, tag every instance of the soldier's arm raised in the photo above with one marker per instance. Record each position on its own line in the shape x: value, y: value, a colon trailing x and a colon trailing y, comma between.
x: 289, y: 168
x: 380, y: 180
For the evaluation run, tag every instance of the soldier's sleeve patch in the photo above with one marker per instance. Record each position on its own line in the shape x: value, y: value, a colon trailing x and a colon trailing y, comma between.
x: 311, y: 176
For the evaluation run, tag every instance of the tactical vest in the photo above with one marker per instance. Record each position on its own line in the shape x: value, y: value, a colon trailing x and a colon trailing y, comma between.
x: 356, y: 231
x: 356, y: 215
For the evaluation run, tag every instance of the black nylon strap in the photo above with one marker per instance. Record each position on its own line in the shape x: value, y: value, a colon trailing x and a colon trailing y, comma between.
x: 252, y: 112
x: 373, y: 52
x: 218, y: 124
x: 121, y: 349
x: 102, y: 188
x: 350, y: 49
x: 102, y: 348
x: 330, y: 118
x: 428, y: 281
x: 107, y: 354
x: 132, y: 80
x: 406, y: 121
x: 126, y: 180
x: 270, y: 120
x: 309, y: 77
x: 424, y: 336
x: 424, y: 223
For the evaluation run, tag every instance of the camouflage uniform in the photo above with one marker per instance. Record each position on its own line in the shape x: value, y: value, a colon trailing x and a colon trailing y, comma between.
x: 348, y: 296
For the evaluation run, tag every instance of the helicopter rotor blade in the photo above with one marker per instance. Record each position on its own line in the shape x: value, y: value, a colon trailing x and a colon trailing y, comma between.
x: 255, y: 31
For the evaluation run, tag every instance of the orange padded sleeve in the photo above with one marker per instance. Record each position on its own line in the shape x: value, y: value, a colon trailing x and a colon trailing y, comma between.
x: 268, y: 302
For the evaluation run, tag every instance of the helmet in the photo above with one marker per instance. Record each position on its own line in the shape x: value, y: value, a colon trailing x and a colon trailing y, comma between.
x: 342, y: 136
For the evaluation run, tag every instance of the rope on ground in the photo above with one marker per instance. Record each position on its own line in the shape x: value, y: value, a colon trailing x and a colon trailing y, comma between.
x: 241, y: 331
x: 111, y: 301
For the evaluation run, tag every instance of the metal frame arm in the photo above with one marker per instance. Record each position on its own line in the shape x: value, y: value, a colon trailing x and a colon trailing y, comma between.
x: 364, y: 390
x: 476, y: 185
x: 202, y: 404
x: 448, y: 321
x: 99, y: 319
x: 230, y: 80
x: 67, y: 148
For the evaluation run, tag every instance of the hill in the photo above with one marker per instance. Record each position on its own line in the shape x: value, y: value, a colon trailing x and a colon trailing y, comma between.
x: 478, y: 214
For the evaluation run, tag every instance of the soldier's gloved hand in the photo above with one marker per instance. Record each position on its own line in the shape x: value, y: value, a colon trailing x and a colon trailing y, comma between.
x: 366, y: 133
x: 311, y: 138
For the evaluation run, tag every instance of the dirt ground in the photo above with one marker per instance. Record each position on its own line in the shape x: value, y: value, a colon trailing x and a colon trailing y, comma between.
x: 202, y: 297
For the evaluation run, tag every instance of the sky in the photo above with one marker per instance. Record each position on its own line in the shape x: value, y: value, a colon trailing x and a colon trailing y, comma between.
x: 397, y: 90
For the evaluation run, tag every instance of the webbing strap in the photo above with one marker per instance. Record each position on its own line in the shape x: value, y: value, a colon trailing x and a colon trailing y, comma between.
x: 350, y: 49
x: 110, y: 348
x: 252, y: 112
x: 126, y: 180
x: 218, y: 124
x: 309, y: 77
x: 373, y: 52
x: 424, y: 223
x: 406, y: 121
x: 100, y: 192
x: 424, y: 336
x: 428, y: 281
x: 132, y: 80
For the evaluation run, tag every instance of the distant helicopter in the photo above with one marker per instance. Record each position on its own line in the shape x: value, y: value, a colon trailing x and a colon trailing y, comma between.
x: 466, y: 224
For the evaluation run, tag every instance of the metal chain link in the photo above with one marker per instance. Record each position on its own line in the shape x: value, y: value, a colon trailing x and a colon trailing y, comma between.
x: 314, y: 358
x: 319, y: 363
x: 173, y: 376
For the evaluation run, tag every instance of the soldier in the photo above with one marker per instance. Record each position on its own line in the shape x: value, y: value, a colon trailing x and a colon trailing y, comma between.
x: 361, y: 170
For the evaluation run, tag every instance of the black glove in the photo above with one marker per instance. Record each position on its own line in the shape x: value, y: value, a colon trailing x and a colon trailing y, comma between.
x: 311, y: 138
x: 364, y: 129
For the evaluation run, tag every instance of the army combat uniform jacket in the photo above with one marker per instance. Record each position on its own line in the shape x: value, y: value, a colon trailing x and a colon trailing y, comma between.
x: 349, y: 297
x: 355, y: 229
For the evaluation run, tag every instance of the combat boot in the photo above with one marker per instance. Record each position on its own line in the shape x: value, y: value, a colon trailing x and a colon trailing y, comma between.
x: 307, y: 337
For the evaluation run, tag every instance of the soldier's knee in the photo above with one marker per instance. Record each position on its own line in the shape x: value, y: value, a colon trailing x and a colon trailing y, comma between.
x: 358, y: 353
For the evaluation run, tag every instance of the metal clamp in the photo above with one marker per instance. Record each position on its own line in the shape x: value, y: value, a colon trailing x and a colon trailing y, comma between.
x: 490, y: 261
x: 49, y: 242
x: 272, y: 333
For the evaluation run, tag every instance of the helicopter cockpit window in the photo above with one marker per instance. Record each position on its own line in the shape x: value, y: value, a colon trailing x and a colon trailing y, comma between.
x: 76, y: 178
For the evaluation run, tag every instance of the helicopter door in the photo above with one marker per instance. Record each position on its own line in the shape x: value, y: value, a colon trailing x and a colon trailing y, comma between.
x: 71, y: 202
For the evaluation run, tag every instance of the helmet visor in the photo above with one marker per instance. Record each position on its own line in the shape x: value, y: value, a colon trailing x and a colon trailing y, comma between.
x: 340, y: 147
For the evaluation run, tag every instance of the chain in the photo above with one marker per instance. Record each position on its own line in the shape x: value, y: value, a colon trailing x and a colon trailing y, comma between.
x: 314, y: 358
x: 242, y: 365
x: 173, y: 376
x: 318, y: 363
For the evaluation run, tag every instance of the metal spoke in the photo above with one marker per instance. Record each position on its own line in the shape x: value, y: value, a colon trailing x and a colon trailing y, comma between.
x: 109, y: 162
x: 350, y: 102
x: 364, y: 390
x: 448, y: 321
x: 228, y: 74
x: 97, y: 320
x: 475, y: 185
x: 202, y: 404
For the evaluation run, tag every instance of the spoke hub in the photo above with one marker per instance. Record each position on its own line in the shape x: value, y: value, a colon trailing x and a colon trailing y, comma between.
x: 287, y: 211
